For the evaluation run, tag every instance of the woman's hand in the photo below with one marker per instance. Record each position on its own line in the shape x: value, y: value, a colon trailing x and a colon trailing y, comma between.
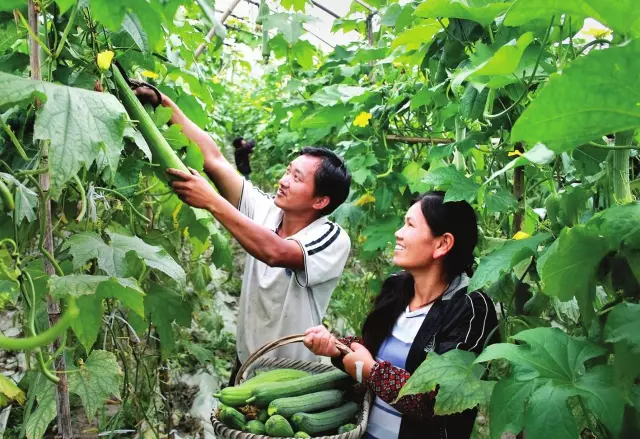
x: 360, y: 353
x: 320, y: 341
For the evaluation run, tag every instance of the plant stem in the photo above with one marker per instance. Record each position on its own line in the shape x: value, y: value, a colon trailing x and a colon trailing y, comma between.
x: 126, y: 200
x: 620, y: 169
x: 14, y: 139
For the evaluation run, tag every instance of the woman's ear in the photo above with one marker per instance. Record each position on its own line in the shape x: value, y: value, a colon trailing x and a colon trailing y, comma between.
x: 444, y: 245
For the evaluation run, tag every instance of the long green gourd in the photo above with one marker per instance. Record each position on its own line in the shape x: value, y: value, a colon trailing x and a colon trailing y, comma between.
x: 162, y: 153
x: 46, y: 337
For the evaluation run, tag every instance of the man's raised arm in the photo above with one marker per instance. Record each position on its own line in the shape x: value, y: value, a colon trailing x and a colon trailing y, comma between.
x: 217, y: 167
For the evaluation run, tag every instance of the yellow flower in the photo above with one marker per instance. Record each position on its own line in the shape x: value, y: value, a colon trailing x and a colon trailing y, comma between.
x: 397, y: 64
x: 216, y: 80
x: 362, y: 119
x: 521, y: 235
x: 149, y: 74
x: 365, y: 199
x: 104, y: 59
x: 514, y: 153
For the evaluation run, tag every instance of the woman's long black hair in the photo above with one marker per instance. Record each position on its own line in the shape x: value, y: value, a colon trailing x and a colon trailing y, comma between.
x: 455, y: 217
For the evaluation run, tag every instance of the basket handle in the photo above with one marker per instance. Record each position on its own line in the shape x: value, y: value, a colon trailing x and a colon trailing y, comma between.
x: 289, y: 339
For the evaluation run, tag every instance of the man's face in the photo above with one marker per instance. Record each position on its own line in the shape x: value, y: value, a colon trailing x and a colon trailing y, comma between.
x: 296, y: 190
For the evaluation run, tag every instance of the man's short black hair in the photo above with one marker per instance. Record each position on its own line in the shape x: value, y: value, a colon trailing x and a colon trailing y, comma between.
x: 332, y: 178
x: 237, y: 142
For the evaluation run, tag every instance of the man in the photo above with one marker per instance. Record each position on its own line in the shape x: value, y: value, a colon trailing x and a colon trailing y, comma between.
x: 241, y: 152
x: 295, y: 254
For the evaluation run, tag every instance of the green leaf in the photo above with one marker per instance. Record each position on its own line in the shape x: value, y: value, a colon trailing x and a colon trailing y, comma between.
x: 112, y: 257
x: 549, y: 352
x: 46, y: 412
x: 413, y: 38
x: 623, y: 16
x: 10, y: 5
x: 326, y: 117
x: 303, y: 52
x: 493, y: 265
x: 203, y: 355
x: 482, y: 11
x: 506, y: 409
x: 379, y: 234
x: 138, y: 139
x: 602, y: 397
x: 194, y: 158
x: 26, y: 200
x: 91, y: 291
x: 415, y: 174
x: 166, y: 306
x: 9, y: 389
x: 297, y: 5
x: 337, y: 93
x: 80, y: 124
x: 290, y: 25
x: 64, y: 5
x: 525, y: 11
x: 582, y: 103
x: 221, y: 256
x: 96, y: 380
x: 505, y: 61
x: 457, y: 378
x: 623, y: 324
x: 500, y: 200
x: 109, y: 13
x: 570, y: 264
x: 548, y: 415
x: 132, y: 26
x: 458, y: 186
x: 620, y: 226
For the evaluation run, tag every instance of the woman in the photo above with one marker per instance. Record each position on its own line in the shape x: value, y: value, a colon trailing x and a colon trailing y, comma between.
x: 422, y: 309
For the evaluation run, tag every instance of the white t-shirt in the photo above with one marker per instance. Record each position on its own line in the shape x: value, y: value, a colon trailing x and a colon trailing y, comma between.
x: 275, y: 301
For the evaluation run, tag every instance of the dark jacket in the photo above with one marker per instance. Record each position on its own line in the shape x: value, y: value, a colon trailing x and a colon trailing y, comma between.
x: 242, y: 159
x: 457, y: 320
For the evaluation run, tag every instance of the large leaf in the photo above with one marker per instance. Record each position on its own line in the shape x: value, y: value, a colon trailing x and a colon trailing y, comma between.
x: 90, y: 292
x: 582, y: 104
x: 96, y: 380
x: 457, y: 378
x: 336, y: 93
x: 623, y: 324
x: 326, y: 117
x: 493, y: 265
x: 418, y: 35
x: 458, y: 187
x: 167, y: 306
x: 113, y: 13
x: 80, y: 124
x: 40, y: 419
x: 569, y: 266
x: 26, y: 200
x: 482, y: 11
x: 622, y: 15
x: 505, y: 61
x: 290, y: 25
x: 506, y: 410
x: 133, y: 27
x: 9, y: 389
x: 555, y: 363
x: 112, y: 258
x: 380, y: 234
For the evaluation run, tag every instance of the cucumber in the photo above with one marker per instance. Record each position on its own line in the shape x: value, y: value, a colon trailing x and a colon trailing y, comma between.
x: 161, y: 151
x: 232, y: 418
x: 263, y: 415
x: 238, y: 395
x: 7, y: 199
x: 278, y: 426
x: 255, y: 427
x: 301, y: 434
x: 346, y: 427
x: 313, y: 402
x: 314, y: 423
x: 263, y: 394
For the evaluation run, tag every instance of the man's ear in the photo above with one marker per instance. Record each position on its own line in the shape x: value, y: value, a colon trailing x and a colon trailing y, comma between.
x: 321, y: 202
x: 444, y: 246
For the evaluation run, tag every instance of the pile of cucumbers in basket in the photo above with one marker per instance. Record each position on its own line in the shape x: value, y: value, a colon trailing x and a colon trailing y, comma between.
x: 289, y: 403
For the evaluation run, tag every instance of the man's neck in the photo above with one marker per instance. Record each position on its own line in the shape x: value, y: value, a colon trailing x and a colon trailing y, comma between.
x: 293, y: 222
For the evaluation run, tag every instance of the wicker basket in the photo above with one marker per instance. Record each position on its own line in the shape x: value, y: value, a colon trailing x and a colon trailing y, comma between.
x: 255, y: 363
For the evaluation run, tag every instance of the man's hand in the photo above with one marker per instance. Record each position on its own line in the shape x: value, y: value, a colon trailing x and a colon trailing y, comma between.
x: 360, y: 353
x: 194, y: 189
x: 319, y: 340
x: 148, y: 96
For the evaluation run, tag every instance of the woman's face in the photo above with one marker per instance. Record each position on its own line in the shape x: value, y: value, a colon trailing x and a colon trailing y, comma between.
x: 416, y: 247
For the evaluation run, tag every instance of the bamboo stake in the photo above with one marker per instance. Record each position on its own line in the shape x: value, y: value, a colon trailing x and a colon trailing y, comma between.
x: 53, y: 307
x: 434, y: 140
x: 212, y: 31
